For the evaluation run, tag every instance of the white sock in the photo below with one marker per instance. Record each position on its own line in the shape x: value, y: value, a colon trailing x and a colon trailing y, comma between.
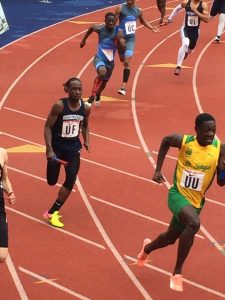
x: 176, y: 10
x: 221, y: 24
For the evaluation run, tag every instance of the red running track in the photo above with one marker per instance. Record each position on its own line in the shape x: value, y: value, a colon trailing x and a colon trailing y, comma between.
x: 115, y: 204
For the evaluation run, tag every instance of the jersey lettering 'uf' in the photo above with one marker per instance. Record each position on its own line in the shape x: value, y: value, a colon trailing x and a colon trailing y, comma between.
x: 66, y: 130
x: 127, y: 19
x: 107, y: 43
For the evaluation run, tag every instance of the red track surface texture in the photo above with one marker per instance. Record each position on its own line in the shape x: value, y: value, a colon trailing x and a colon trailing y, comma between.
x: 115, y: 204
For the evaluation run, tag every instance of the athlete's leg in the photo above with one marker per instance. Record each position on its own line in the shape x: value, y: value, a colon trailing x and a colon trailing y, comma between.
x: 71, y: 171
x: 183, y: 49
x: 3, y: 237
x: 161, y: 4
x: 126, y: 70
x: 130, y: 43
x: 189, y: 217
x: 221, y: 25
x: 163, y: 240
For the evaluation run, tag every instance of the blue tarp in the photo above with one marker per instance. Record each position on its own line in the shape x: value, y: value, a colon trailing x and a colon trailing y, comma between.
x: 26, y: 16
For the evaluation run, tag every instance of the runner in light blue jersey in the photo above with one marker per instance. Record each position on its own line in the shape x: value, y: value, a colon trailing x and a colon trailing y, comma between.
x: 128, y: 14
x: 108, y: 38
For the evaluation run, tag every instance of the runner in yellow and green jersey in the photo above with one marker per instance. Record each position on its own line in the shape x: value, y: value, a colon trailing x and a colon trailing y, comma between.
x: 200, y: 159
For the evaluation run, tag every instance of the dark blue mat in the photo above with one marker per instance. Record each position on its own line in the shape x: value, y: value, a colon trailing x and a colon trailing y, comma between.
x: 26, y: 16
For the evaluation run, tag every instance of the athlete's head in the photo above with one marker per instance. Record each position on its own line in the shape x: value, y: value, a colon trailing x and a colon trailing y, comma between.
x: 109, y: 20
x: 205, y: 127
x: 130, y: 3
x: 73, y: 87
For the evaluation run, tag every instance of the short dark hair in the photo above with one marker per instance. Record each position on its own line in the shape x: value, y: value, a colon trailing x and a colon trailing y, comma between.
x: 203, y: 118
x: 67, y: 83
x: 110, y: 14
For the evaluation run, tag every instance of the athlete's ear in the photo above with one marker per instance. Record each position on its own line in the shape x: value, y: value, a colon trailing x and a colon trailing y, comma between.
x: 65, y: 88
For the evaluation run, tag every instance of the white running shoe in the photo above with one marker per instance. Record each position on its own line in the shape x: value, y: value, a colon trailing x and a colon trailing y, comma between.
x: 122, y: 91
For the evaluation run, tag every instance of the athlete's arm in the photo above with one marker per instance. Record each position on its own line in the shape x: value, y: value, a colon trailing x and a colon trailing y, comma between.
x: 121, y: 40
x: 57, y: 108
x: 117, y: 14
x: 175, y: 11
x: 90, y: 30
x: 146, y: 23
x: 204, y: 16
x: 85, y: 127
x: 6, y: 184
x: 221, y: 166
x: 173, y: 140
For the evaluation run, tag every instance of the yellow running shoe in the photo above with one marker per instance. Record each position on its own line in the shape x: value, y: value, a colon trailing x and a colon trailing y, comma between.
x: 54, y: 219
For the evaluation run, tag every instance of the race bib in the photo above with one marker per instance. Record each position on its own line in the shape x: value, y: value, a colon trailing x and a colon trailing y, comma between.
x: 70, y: 128
x: 130, y: 27
x: 192, y: 21
x: 108, y: 53
x: 192, y: 180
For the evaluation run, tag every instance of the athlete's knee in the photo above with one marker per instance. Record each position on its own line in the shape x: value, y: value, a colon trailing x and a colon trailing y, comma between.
x: 70, y: 182
x: 194, y: 224
x: 3, y: 254
x: 170, y: 239
x: 51, y: 181
x: 185, y: 43
x: 102, y: 74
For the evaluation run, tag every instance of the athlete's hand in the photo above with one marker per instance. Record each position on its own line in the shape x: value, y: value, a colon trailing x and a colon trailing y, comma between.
x: 10, y: 197
x: 158, y: 177
x: 87, y: 147
x: 82, y: 44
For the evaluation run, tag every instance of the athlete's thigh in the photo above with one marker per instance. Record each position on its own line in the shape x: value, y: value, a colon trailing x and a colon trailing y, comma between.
x: 215, y: 8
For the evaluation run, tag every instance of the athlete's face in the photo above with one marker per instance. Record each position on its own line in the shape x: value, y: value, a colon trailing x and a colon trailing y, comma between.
x: 130, y: 3
x: 75, y: 90
x: 109, y: 22
x: 206, y: 133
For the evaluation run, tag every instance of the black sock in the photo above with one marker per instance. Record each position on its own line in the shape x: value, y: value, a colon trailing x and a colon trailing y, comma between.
x: 126, y: 75
x: 55, y: 207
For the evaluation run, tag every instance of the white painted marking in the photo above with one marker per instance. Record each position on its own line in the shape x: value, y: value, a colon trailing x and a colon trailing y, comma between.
x: 52, y: 283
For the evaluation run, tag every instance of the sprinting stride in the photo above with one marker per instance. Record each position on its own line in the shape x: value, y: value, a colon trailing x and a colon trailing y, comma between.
x: 195, y: 12
x: 200, y: 159
x: 108, y: 39
x: 128, y: 14
x: 68, y: 116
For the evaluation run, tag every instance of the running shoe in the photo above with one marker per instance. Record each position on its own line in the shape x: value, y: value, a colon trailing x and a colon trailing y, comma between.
x: 217, y: 39
x: 53, y: 219
x: 122, y: 91
x: 91, y: 99
x: 97, y: 100
x: 177, y: 71
x: 142, y: 256
x: 176, y: 282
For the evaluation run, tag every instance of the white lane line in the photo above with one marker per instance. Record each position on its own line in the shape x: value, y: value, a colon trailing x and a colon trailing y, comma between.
x: 194, y: 78
x: 32, y: 64
x: 207, y: 199
x: 92, y: 133
x: 200, y: 286
x: 89, y: 161
x: 119, y: 171
x: 110, y: 245
x: 52, y: 283
x: 55, y: 228
x: 16, y: 279
x: 134, y: 212
x: 142, y: 141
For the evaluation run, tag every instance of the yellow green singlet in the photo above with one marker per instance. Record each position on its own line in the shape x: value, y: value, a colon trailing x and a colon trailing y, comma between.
x: 195, y: 168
